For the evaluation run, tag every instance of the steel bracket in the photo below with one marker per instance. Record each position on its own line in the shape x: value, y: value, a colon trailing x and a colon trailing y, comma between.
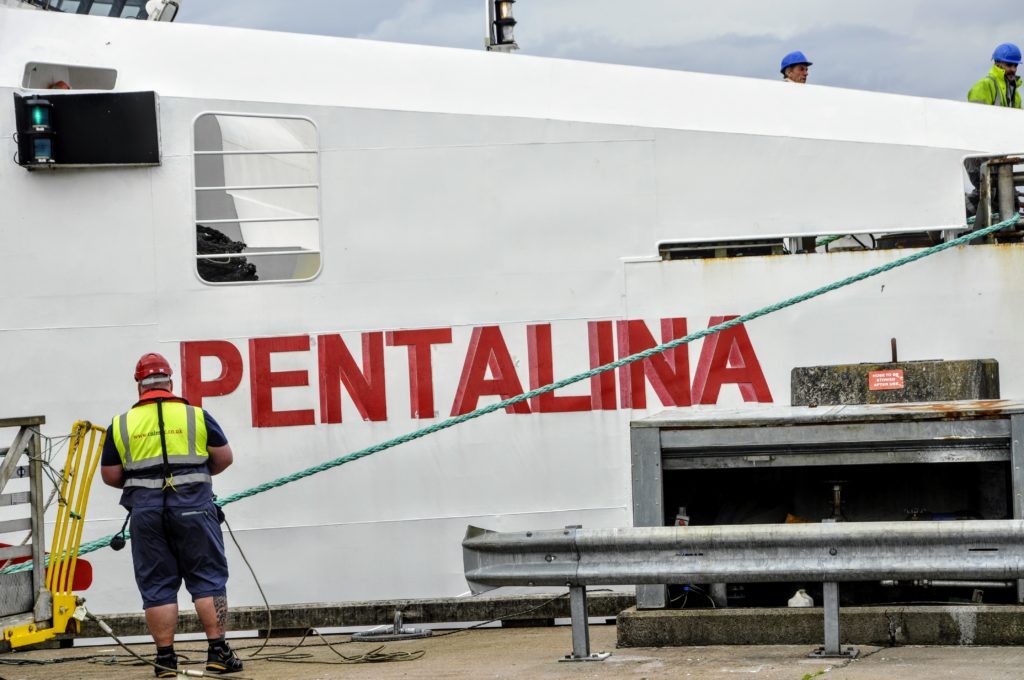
x: 595, y: 656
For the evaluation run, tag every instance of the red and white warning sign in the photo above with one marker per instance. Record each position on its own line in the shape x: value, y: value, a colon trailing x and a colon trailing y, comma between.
x: 885, y: 380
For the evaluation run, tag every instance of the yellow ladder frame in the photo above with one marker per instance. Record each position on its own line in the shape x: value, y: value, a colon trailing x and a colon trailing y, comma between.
x: 83, y: 458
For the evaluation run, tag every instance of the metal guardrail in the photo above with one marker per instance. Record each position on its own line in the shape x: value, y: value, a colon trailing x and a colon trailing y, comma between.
x: 829, y: 552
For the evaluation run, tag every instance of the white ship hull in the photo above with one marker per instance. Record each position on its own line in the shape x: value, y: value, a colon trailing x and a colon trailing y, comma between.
x: 464, y: 191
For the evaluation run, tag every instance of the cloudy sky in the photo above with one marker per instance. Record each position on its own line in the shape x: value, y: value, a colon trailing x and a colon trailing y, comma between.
x: 934, y: 48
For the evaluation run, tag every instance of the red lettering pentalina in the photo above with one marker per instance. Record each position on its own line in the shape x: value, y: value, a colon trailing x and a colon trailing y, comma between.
x: 262, y: 381
x: 728, y: 357
x: 668, y: 372
x: 487, y: 352
x: 194, y: 388
x: 366, y: 386
x: 421, y: 374
x: 601, y: 343
x: 542, y: 372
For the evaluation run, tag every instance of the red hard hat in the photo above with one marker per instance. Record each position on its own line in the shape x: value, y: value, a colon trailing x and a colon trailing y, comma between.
x: 151, y: 364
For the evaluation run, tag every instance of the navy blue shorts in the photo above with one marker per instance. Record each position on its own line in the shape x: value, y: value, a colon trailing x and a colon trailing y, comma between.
x: 174, y: 544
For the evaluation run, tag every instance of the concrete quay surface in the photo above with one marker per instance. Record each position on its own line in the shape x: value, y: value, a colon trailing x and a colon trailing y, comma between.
x: 533, y: 653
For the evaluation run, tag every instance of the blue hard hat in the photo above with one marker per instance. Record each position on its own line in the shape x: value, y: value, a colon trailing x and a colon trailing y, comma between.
x: 794, y: 58
x: 1007, y: 53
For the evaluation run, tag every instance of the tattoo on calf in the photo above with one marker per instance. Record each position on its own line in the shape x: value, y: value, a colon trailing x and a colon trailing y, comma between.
x: 220, y: 605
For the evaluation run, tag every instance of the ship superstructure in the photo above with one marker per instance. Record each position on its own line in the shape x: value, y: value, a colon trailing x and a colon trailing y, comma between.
x: 344, y: 240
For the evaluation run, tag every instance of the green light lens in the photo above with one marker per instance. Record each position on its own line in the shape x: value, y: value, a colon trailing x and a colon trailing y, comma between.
x: 40, y: 115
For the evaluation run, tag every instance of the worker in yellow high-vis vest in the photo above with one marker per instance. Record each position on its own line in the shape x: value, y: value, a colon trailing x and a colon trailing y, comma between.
x: 163, y: 453
x: 1001, y: 87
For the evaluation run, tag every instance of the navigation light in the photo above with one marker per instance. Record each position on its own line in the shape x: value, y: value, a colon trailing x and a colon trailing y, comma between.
x: 36, y: 132
x: 502, y: 25
x: 39, y: 114
x: 42, y: 150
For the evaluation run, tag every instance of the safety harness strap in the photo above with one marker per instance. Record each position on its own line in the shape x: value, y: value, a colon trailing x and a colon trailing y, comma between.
x: 168, y: 475
x: 191, y: 478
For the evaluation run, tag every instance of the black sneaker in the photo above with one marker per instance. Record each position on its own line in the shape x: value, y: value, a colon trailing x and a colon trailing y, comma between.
x: 168, y: 666
x: 222, y: 660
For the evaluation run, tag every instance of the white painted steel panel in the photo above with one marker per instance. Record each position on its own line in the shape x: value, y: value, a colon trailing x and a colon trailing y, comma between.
x: 248, y: 65
x: 960, y: 304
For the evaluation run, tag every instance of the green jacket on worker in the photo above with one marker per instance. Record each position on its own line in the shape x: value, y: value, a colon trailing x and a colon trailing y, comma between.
x: 992, y: 89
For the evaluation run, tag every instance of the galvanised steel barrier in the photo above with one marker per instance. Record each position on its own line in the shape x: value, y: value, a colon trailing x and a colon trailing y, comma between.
x: 830, y: 552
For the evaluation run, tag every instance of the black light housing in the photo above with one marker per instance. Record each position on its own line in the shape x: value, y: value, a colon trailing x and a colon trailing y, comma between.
x: 502, y: 38
x: 73, y: 129
x: 38, y: 133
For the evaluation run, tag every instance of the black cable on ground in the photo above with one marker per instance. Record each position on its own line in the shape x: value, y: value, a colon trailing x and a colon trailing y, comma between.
x: 289, y: 655
x: 373, y: 656
x: 266, y: 603
x: 714, y: 605
x: 507, y: 616
x: 186, y: 672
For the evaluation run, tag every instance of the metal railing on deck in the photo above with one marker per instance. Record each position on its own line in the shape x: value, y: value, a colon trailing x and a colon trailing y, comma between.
x: 1000, y: 178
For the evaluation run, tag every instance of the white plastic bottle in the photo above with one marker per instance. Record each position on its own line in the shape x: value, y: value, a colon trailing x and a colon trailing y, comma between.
x: 801, y: 599
x: 682, y: 519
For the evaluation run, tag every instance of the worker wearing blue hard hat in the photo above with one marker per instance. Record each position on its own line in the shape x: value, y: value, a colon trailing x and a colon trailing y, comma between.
x: 1001, y: 87
x: 794, y: 68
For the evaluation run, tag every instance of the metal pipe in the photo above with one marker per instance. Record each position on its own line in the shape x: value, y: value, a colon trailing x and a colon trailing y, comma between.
x: 833, y: 648
x: 1007, y: 192
x: 488, y: 24
x: 1017, y: 478
x: 984, y: 213
x: 580, y: 629
x: 939, y: 583
x: 43, y: 608
x: 830, y: 597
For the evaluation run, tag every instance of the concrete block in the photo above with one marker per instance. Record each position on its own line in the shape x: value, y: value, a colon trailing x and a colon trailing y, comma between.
x: 880, y: 626
x: 976, y: 379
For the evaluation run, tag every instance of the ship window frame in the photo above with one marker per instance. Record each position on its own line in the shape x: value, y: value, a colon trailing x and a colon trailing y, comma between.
x: 314, y: 151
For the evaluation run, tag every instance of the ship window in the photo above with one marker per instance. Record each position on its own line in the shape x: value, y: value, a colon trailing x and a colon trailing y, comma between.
x: 134, y: 9
x: 127, y: 9
x: 41, y: 76
x: 257, y: 198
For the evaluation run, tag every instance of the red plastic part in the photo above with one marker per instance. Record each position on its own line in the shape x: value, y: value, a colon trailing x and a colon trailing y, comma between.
x: 83, y: 571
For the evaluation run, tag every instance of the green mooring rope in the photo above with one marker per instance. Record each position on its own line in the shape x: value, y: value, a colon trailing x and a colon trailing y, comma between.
x: 825, y: 240
x: 639, y: 356
x: 828, y: 239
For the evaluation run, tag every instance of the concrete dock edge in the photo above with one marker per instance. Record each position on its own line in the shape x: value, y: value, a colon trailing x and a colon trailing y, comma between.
x: 893, y: 625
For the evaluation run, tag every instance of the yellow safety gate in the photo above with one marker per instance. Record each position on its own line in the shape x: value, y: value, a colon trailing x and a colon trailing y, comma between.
x: 83, y: 457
